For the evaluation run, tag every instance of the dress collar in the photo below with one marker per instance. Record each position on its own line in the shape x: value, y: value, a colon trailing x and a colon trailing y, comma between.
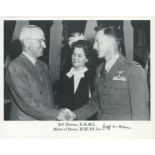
x: 79, y: 73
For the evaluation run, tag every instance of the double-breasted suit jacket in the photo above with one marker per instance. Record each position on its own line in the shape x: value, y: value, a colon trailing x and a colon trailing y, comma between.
x: 31, y: 91
x: 121, y: 94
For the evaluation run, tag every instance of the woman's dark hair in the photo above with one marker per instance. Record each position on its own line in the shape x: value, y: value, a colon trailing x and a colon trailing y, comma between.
x: 90, y: 54
x: 85, y: 45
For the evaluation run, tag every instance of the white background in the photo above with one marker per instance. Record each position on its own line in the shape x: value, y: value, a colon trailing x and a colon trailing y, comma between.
x: 77, y: 8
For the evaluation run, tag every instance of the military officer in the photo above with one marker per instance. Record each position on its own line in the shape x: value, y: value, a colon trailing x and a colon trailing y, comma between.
x: 121, y: 91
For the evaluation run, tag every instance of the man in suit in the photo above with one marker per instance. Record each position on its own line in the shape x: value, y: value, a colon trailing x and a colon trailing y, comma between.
x: 29, y: 81
x: 121, y: 91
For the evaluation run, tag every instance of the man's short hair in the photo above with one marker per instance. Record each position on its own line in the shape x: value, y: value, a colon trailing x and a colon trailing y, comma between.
x: 110, y: 30
x: 28, y: 31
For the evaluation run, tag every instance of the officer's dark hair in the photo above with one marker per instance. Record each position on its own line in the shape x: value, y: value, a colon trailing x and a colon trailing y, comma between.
x: 112, y: 31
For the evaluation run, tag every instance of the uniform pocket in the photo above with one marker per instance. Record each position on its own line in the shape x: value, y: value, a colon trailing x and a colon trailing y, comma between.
x: 119, y: 92
x: 117, y: 84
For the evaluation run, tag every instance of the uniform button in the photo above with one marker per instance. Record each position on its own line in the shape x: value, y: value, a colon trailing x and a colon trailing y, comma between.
x: 41, y: 92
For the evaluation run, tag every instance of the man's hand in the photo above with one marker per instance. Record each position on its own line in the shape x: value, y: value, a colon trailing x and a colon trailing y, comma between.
x: 65, y: 114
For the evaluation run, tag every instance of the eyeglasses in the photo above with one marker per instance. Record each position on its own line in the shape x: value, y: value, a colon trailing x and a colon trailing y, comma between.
x: 40, y: 40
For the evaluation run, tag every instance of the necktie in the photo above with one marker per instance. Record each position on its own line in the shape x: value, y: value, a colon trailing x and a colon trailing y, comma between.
x: 37, y: 66
x: 103, y: 71
x: 41, y: 76
x: 46, y: 91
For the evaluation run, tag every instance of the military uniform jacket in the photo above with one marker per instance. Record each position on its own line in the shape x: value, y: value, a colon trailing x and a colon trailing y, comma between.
x: 31, y: 91
x: 122, y: 94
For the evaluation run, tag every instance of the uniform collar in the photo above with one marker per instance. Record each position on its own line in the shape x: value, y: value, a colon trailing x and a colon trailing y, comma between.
x: 111, y: 62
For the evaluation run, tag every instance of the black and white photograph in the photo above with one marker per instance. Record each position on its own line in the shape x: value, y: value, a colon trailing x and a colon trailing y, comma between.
x: 76, y: 70
x: 77, y: 77
x: 63, y: 77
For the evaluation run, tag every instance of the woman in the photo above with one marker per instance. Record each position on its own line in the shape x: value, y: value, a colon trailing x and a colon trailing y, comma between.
x: 77, y: 84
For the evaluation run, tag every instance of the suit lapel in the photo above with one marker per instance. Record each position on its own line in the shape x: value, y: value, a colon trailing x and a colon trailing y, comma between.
x: 81, y: 83
x: 26, y: 60
x: 34, y: 79
x: 33, y: 70
x: 70, y: 85
x: 78, y: 88
x: 28, y: 64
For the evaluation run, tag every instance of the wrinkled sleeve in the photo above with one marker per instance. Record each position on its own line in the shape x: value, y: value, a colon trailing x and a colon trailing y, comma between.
x: 138, y: 89
x: 90, y: 108
x: 20, y: 90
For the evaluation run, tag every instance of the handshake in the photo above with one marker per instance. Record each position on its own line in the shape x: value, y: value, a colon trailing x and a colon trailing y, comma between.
x: 66, y: 115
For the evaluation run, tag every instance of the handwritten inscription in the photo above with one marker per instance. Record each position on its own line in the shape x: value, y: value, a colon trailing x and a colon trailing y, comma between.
x: 87, y: 126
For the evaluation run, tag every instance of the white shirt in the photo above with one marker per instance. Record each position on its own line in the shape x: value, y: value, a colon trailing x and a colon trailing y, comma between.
x: 111, y: 62
x: 33, y: 60
x: 77, y: 76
